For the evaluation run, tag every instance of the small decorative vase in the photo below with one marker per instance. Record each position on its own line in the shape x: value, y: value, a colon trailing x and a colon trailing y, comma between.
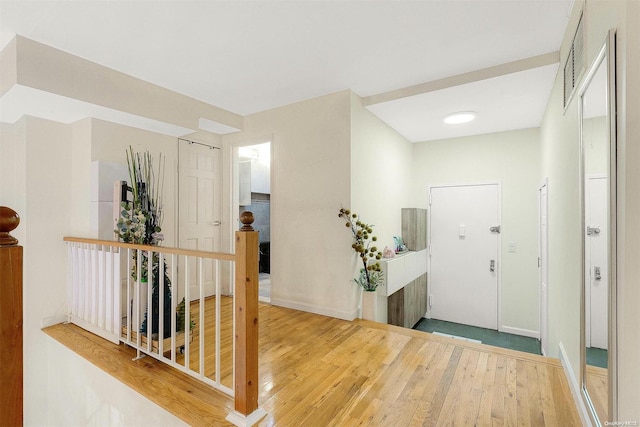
x: 369, y: 305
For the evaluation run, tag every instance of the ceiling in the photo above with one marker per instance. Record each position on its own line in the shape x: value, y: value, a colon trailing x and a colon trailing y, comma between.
x: 249, y: 56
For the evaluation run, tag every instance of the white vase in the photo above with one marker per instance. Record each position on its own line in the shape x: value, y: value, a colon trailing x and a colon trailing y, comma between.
x: 369, y: 305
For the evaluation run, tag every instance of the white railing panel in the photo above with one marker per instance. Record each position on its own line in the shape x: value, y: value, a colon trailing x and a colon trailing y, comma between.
x: 94, y: 269
x: 107, y: 296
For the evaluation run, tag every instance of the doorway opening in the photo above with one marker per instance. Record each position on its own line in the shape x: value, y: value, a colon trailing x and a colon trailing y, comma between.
x: 254, y: 194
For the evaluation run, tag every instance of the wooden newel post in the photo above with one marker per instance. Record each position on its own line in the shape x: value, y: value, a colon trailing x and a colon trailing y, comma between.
x: 246, y: 334
x: 10, y: 321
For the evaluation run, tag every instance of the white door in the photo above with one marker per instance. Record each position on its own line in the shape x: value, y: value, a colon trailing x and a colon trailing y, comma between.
x: 463, y: 270
x: 199, y: 210
x: 596, y: 262
x: 543, y: 261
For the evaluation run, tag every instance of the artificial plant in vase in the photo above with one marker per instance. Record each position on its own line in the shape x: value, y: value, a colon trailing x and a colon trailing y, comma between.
x: 371, y: 275
x: 140, y: 223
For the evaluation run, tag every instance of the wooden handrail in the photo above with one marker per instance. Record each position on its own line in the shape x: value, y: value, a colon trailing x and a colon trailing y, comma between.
x: 11, y: 364
x: 246, y: 312
x: 164, y: 249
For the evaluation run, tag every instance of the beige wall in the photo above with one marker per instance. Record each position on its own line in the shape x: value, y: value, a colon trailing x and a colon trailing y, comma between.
x: 39, y: 173
x: 13, y: 187
x: 513, y: 159
x: 110, y: 141
x: 42, y: 166
x: 628, y: 23
x: 8, y: 68
x: 310, y: 252
x: 44, y: 176
x: 43, y: 67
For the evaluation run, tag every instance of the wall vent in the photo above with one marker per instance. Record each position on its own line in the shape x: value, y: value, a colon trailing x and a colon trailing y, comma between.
x: 574, y: 63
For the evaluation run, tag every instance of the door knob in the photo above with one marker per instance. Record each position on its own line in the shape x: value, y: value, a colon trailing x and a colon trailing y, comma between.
x: 492, y: 265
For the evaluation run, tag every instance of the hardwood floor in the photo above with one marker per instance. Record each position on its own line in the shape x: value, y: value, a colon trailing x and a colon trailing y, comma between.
x: 597, y: 380
x: 321, y: 371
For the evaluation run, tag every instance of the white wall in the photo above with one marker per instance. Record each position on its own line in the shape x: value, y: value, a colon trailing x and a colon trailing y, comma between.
x: 81, y: 179
x: 48, y: 206
x: 560, y: 141
x: 97, y: 398
x: 42, y: 180
x: 110, y: 141
x: 261, y: 169
x: 310, y: 179
x: 380, y: 173
x: 560, y: 163
x: 511, y: 158
x: 595, y: 147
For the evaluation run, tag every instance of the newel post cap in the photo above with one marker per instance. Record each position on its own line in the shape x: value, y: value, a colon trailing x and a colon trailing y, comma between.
x: 246, y: 218
x: 9, y: 220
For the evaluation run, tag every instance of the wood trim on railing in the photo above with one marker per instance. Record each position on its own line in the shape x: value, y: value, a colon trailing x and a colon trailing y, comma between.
x: 166, y: 250
x: 246, y: 332
x: 11, y: 364
x: 246, y: 312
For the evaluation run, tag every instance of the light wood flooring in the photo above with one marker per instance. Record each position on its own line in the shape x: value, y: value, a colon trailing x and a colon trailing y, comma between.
x: 598, y: 384
x: 321, y: 371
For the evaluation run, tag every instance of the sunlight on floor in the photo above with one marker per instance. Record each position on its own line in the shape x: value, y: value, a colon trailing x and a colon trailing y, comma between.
x: 264, y: 291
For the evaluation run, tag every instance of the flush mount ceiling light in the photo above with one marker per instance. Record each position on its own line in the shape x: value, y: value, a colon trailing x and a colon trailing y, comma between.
x: 460, y: 117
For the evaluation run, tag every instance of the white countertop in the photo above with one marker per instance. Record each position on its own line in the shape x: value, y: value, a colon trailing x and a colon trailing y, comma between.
x: 401, y: 270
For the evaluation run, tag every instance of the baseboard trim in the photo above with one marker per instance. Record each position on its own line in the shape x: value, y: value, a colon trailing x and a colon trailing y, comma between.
x: 52, y: 320
x: 241, y: 420
x: 520, y: 331
x: 575, y: 388
x: 310, y: 308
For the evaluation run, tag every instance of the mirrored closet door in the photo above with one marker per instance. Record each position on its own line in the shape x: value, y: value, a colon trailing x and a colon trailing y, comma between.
x: 598, y: 177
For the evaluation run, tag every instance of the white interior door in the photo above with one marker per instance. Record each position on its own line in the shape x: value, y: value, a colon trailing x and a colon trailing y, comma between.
x: 596, y: 262
x: 463, y: 271
x: 543, y: 262
x: 199, y: 210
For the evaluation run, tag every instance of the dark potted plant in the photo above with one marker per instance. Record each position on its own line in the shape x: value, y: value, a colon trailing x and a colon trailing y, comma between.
x: 140, y: 222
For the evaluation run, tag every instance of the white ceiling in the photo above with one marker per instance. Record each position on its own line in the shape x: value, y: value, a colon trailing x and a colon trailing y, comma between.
x: 250, y: 56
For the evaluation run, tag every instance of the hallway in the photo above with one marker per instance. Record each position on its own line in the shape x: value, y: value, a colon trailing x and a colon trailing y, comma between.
x: 320, y: 371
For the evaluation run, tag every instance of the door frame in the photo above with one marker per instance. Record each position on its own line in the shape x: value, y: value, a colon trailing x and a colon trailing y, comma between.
x: 234, y: 205
x: 544, y: 296
x: 499, y: 253
x: 234, y: 178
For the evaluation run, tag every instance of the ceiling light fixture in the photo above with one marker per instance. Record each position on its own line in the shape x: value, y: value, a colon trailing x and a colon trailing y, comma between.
x: 460, y: 117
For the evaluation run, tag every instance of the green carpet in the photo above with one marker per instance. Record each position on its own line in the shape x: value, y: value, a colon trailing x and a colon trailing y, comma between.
x: 486, y: 336
x: 597, y: 357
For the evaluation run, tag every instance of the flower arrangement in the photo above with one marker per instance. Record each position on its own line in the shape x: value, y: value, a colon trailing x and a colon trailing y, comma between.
x: 371, y: 275
x: 140, y: 223
x: 141, y: 217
